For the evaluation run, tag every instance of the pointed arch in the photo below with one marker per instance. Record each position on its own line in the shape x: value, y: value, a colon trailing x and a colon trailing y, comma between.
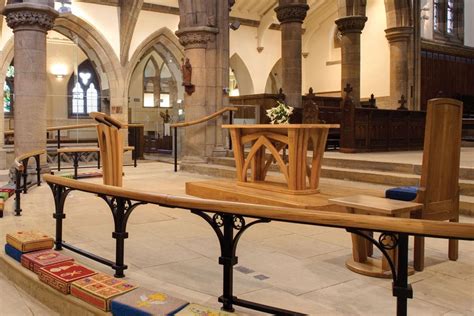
x: 398, y: 13
x: 168, y: 47
x: 242, y: 74
x: 101, y: 54
x: 274, y: 78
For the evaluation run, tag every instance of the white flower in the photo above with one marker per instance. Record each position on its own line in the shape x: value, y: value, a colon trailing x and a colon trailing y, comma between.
x: 280, y: 114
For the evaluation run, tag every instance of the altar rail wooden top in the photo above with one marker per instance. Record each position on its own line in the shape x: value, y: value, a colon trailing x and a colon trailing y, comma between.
x: 31, y: 154
x: 340, y: 220
x: 77, y: 126
x: 282, y: 126
x: 206, y: 118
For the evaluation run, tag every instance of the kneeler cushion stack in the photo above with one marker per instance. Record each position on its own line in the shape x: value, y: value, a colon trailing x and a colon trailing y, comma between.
x: 61, y: 272
x: 5, y: 192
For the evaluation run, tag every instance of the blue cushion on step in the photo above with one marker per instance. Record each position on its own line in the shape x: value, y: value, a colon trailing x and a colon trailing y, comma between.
x: 13, y: 252
x: 402, y: 193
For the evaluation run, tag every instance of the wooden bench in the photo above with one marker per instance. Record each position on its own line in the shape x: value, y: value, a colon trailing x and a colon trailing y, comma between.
x: 362, y: 250
x: 77, y: 152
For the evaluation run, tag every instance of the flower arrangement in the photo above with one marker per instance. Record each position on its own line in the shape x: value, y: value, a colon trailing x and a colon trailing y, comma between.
x: 280, y: 114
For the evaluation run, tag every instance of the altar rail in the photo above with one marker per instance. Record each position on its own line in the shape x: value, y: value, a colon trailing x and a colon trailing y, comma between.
x: 21, y: 173
x: 228, y: 218
x: 201, y: 120
x: 135, y: 139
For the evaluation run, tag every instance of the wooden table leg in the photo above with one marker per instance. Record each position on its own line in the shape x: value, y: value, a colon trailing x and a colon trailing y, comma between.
x: 359, y: 245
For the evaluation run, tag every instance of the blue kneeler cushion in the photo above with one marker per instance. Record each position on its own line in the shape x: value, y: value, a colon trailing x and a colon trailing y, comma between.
x: 402, y: 193
x: 13, y: 252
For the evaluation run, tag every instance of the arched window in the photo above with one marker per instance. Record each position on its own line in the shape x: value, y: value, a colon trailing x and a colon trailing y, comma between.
x: 149, y: 85
x: 8, y: 91
x: 84, y: 91
x: 166, y: 80
x: 448, y: 20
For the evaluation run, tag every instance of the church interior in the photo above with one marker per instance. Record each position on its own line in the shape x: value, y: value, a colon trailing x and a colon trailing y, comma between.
x: 237, y: 157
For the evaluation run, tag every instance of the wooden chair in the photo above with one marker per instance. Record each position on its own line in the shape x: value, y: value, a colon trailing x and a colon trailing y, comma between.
x: 439, y: 185
x: 111, y: 147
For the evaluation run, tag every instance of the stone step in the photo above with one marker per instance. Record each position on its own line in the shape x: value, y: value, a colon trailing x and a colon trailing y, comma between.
x: 362, y: 175
x: 466, y: 203
x: 465, y: 173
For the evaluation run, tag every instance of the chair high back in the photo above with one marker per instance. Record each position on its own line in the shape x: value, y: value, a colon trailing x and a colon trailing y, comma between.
x: 111, y: 147
x: 439, y: 185
x: 441, y: 159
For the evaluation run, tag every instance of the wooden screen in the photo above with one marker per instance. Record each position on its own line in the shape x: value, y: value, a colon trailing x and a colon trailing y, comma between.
x: 444, y: 75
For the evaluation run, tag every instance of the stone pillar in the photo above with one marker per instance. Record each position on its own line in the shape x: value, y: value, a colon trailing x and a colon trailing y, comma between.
x: 221, y: 51
x: 30, y: 21
x: 399, y: 40
x: 351, y: 28
x: 291, y: 15
x: 195, y: 41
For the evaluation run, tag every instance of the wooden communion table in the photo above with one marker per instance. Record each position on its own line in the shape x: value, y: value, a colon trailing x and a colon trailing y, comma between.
x: 300, y: 177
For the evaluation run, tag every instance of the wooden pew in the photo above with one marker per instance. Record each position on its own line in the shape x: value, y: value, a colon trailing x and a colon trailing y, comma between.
x: 230, y: 217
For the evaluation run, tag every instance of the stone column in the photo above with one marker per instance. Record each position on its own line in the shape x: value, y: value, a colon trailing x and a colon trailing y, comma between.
x: 291, y: 15
x: 195, y: 41
x: 30, y: 21
x: 351, y: 28
x: 399, y: 40
x: 221, y: 51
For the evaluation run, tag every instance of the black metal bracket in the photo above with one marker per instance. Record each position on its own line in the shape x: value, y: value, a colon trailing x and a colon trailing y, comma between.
x: 23, y: 175
x: 389, y: 241
x: 121, y: 209
x: 224, y: 226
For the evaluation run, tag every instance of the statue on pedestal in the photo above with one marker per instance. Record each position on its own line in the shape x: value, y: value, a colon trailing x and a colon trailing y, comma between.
x: 187, y: 72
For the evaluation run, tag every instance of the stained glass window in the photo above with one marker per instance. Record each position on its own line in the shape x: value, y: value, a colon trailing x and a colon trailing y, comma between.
x: 77, y: 99
x: 92, y: 104
x: 84, y: 91
x: 8, y: 90
x: 436, y: 15
x: 7, y: 98
x: 450, y: 17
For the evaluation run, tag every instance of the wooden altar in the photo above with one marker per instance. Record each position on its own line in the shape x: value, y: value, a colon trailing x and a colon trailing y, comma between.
x: 301, y: 177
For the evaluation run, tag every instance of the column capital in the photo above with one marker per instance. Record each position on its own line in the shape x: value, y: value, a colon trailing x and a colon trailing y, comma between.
x: 398, y: 34
x: 293, y: 12
x: 30, y: 16
x: 196, y: 37
x: 351, y: 24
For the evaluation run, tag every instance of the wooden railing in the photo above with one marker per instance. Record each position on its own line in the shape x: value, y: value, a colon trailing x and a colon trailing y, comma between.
x: 228, y: 218
x: 59, y: 144
x: 195, y: 122
x: 21, y: 171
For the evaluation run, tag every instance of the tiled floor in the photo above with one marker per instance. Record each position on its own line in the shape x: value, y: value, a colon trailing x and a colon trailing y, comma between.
x: 291, y: 266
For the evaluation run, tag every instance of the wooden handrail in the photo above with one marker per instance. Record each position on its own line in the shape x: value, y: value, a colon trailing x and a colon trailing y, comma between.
x: 206, y: 118
x: 340, y: 220
x: 30, y: 154
x: 68, y: 127
x: 76, y: 126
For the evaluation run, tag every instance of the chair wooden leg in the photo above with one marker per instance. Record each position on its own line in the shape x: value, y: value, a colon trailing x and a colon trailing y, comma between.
x: 359, y: 249
x: 453, y: 250
x: 419, y: 254
x: 370, y: 246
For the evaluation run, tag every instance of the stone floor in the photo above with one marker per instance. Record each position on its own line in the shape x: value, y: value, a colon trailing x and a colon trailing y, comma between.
x: 291, y: 266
